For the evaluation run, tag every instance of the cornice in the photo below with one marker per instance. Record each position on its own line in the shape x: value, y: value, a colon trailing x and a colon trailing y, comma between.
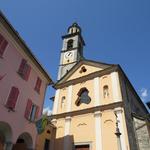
x: 74, y: 34
x: 88, y: 110
x: 74, y: 62
x: 71, y: 49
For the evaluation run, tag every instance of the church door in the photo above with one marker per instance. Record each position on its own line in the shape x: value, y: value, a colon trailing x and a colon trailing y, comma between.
x: 82, y: 147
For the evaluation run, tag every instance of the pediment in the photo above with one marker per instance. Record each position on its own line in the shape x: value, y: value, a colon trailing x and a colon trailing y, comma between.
x: 83, y: 68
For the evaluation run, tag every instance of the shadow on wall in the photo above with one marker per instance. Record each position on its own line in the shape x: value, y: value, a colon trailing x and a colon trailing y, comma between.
x: 66, y: 142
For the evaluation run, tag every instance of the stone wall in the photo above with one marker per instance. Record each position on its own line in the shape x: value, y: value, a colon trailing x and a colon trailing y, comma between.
x: 142, y: 134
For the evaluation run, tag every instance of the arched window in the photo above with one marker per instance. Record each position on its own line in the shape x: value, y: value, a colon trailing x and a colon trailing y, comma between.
x: 83, y: 97
x: 70, y: 44
x: 106, y: 91
x: 63, y: 101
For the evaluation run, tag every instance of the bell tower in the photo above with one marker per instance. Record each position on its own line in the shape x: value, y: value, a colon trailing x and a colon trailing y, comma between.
x: 72, y: 49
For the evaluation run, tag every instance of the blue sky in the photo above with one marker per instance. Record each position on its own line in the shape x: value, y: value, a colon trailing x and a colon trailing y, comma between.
x: 115, y: 32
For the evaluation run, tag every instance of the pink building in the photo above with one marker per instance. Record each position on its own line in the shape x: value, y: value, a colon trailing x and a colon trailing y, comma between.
x: 23, y: 83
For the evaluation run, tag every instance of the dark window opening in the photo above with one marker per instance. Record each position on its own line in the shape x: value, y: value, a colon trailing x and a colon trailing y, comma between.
x: 48, y: 131
x: 20, y: 141
x: 47, y: 144
x: 3, y: 45
x: 83, y: 97
x: 82, y: 147
x: 70, y: 44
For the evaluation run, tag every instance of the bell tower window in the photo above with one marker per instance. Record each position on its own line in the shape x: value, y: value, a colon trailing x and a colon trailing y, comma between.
x: 72, y: 49
x: 70, y: 44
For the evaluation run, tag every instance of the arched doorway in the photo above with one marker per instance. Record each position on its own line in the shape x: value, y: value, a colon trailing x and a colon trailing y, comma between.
x: 24, y: 142
x: 2, y: 141
x: 5, y: 136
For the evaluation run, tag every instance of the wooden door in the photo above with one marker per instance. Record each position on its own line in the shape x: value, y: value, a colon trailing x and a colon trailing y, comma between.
x: 82, y: 147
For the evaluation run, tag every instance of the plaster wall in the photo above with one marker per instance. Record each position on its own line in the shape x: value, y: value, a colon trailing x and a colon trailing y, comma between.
x: 9, y: 65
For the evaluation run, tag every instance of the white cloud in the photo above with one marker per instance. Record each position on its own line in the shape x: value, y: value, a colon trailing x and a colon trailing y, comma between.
x: 47, y: 111
x: 144, y: 92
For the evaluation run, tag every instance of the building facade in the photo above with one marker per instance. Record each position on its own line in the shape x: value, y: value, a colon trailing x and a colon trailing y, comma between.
x: 45, y: 140
x: 95, y: 105
x: 23, y: 83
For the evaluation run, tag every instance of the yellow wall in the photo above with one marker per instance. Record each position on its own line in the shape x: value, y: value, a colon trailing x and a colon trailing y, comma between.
x: 82, y: 127
x: 45, y: 135
x: 89, y: 84
x: 108, y: 130
x: 90, y: 69
x: 60, y: 125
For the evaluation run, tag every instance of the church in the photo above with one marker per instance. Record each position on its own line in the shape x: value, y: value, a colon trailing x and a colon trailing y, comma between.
x: 95, y: 105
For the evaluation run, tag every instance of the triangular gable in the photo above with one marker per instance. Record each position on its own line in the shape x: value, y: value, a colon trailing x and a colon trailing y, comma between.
x: 83, y: 68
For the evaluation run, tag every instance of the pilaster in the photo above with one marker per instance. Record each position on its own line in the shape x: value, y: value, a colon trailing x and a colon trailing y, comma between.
x: 98, y: 130
x: 118, y: 112
x: 96, y: 91
x: 56, y: 102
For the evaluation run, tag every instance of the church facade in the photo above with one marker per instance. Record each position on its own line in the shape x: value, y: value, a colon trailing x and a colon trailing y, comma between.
x: 95, y: 105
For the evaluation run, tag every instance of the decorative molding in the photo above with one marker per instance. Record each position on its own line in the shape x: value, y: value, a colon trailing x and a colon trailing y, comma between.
x: 108, y: 120
x: 54, y: 121
x: 68, y: 63
x: 97, y: 114
x: 118, y: 110
x: 67, y: 50
x: 88, y: 110
x: 68, y: 118
x: 81, y: 124
x: 104, y: 77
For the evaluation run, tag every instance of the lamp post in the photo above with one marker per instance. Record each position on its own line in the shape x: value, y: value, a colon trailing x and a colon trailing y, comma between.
x: 117, y: 133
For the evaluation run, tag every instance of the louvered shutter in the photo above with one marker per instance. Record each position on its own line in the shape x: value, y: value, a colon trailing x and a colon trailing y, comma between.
x: 12, y: 99
x: 1, y: 39
x: 37, y: 112
x: 28, y: 109
x: 3, y: 45
x: 22, y: 66
x: 27, y: 72
x: 38, y: 84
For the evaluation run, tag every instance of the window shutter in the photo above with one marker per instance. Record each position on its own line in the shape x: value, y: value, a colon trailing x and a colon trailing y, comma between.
x: 28, y: 109
x: 12, y: 99
x: 3, y: 45
x: 1, y: 39
x: 38, y: 84
x: 27, y: 72
x: 22, y: 66
x: 37, y: 112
